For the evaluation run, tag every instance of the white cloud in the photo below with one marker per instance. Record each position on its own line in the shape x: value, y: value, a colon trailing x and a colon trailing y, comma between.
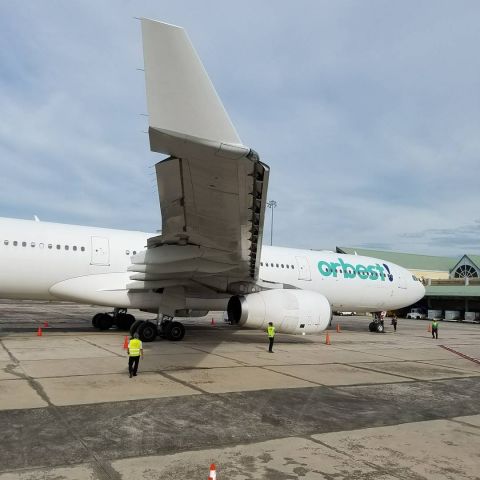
x: 367, y: 114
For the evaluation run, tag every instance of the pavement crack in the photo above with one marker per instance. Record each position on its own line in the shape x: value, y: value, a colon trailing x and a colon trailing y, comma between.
x: 101, y: 348
x: 181, y: 382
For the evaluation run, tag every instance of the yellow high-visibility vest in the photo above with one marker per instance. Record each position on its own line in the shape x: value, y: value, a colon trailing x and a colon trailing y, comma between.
x: 271, y: 331
x: 134, y: 347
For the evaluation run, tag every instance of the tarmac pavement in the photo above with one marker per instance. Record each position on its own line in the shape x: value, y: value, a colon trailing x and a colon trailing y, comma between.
x: 368, y: 406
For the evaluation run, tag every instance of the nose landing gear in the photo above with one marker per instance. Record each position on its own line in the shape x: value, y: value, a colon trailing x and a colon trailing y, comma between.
x: 376, y: 326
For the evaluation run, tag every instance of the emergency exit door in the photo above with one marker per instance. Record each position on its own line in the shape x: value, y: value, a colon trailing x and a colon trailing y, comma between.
x: 100, y: 251
x: 303, y: 268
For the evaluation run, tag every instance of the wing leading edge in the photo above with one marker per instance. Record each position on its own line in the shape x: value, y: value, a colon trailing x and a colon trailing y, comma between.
x: 212, y: 188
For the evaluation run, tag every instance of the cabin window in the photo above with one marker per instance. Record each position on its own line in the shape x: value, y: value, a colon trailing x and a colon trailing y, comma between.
x: 127, y: 252
x: 288, y: 266
x: 74, y: 248
x: 50, y: 246
x: 15, y: 243
x: 282, y: 265
x: 5, y: 242
x: 134, y: 252
x: 24, y: 244
x: 82, y: 249
x: 276, y: 264
x: 32, y: 244
x: 66, y: 247
x: 292, y: 267
x: 58, y: 247
x: 41, y: 245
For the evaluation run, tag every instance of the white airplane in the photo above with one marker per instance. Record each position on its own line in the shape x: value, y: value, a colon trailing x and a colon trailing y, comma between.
x: 213, y: 192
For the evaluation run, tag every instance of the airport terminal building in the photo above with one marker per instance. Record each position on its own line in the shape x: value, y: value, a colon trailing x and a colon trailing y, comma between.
x: 452, y: 284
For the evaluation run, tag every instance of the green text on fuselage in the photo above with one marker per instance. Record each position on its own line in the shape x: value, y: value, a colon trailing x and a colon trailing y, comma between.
x: 347, y: 270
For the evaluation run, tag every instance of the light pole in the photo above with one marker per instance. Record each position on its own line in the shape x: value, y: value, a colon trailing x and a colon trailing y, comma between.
x: 271, y: 204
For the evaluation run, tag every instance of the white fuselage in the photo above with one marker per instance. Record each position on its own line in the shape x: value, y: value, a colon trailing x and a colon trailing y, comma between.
x: 38, y: 258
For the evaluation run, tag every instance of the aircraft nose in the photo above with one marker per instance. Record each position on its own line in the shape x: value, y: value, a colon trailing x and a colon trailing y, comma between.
x: 420, y: 291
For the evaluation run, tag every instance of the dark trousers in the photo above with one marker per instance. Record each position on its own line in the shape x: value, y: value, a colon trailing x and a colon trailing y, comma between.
x: 270, y: 346
x: 434, y: 332
x: 133, y: 364
x: 394, y: 326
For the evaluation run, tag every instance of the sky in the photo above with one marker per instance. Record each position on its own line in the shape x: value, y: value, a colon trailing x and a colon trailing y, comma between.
x: 367, y: 112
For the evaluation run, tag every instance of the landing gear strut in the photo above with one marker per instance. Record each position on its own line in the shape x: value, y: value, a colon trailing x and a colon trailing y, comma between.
x: 119, y: 317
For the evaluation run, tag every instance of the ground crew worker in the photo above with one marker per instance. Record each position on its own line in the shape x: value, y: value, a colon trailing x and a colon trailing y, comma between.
x: 135, y: 349
x: 271, y: 336
x: 434, y: 328
x: 394, y: 322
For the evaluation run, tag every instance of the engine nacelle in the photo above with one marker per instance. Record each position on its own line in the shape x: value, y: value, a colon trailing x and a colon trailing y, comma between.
x: 291, y: 311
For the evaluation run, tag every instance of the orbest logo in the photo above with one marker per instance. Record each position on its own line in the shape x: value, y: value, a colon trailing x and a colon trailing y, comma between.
x: 364, y: 272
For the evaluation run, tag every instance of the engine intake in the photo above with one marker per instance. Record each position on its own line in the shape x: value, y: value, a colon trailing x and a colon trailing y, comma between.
x: 291, y: 311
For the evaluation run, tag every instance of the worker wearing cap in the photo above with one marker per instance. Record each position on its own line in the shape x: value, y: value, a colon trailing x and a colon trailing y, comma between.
x: 135, y: 350
x: 271, y: 336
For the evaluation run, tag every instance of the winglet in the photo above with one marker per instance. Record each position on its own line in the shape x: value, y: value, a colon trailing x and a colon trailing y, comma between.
x: 182, y: 101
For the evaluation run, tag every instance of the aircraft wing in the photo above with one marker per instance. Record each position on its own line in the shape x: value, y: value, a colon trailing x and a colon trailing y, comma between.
x: 212, y: 188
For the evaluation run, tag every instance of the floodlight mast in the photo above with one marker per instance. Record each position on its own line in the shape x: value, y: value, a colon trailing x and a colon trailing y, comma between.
x: 272, y: 205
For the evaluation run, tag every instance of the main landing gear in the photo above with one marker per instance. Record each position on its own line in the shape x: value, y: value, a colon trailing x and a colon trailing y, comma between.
x: 165, y: 328
x: 119, y: 317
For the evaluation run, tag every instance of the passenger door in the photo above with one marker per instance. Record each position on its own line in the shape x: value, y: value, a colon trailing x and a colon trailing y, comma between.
x: 100, y: 251
x: 303, y: 268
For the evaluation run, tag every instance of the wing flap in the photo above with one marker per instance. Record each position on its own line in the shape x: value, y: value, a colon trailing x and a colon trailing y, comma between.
x: 212, y: 189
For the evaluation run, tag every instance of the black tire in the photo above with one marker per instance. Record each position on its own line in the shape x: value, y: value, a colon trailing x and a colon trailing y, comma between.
x: 380, y: 328
x: 95, y: 319
x: 147, y: 332
x: 129, y: 320
x: 104, y: 321
x: 135, y: 326
x: 372, y: 327
x: 175, y: 332
x: 125, y: 321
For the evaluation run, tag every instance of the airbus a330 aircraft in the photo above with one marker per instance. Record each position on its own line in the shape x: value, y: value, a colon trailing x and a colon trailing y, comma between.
x: 213, y: 192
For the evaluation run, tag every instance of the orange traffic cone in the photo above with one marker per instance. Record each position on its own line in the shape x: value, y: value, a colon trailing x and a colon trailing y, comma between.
x: 213, y: 472
x: 45, y: 324
x: 39, y: 332
x: 338, y: 328
x: 327, y: 339
x: 429, y: 329
x: 125, y: 342
x: 213, y: 323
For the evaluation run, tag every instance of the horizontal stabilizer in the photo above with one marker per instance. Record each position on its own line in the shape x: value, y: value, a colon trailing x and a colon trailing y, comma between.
x: 181, y: 99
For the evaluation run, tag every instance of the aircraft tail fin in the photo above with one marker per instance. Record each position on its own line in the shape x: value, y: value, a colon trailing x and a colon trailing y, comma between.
x: 181, y: 99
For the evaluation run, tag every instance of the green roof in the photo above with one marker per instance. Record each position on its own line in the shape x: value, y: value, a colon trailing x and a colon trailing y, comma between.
x: 453, y: 290
x: 474, y: 258
x: 411, y: 261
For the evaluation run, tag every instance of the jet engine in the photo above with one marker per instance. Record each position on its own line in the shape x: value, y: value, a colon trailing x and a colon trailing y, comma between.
x: 291, y: 311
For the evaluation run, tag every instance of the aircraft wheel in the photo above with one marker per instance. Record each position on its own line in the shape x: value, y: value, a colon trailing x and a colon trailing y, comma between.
x: 176, y: 331
x: 135, y: 326
x: 372, y: 327
x: 380, y: 328
x: 95, y: 319
x: 147, y: 331
x: 104, y: 321
x: 125, y: 321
